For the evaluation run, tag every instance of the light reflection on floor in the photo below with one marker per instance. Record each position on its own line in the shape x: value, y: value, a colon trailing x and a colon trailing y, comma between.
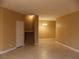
x: 46, y: 49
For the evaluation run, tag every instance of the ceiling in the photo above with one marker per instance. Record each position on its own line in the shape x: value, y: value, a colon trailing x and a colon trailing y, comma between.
x: 46, y: 9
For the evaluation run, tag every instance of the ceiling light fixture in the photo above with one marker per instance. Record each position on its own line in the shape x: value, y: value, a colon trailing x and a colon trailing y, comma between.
x: 44, y: 24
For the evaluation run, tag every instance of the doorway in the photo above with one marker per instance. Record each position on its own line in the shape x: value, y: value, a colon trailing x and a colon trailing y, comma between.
x: 46, y: 32
x: 31, y: 30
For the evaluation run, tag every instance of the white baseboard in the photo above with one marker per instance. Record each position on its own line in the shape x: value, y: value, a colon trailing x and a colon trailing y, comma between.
x: 2, y: 52
x: 71, y: 48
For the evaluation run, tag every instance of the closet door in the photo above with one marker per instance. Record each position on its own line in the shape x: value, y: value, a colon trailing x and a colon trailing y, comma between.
x: 19, y: 33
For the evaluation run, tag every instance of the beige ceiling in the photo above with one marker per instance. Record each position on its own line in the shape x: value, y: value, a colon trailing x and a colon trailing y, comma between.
x: 46, y: 9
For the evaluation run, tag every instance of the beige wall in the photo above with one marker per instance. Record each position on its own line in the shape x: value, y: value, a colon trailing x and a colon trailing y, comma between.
x: 9, y: 27
x: 1, y: 29
x: 29, y: 24
x: 36, y: 28
x: 47, y: 31
x: 68, y: 29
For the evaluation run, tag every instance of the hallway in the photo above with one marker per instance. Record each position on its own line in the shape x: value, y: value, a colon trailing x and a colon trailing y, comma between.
x: 23, y: 22
x: 46, y: 49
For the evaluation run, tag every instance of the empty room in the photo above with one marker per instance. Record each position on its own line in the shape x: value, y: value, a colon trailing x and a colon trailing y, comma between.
x: 39, y: 29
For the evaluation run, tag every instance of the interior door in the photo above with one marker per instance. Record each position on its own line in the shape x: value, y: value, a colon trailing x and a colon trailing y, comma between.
x: 19, y: 33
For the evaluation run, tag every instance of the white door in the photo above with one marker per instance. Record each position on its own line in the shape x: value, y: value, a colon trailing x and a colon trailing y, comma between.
x: 19, y: 33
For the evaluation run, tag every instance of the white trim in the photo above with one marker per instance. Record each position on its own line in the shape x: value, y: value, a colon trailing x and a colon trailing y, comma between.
x: 71, y: 48
x: 2, y: 52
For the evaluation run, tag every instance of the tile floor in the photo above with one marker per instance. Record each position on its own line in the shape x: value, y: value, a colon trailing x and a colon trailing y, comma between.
x: 46, y: 49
